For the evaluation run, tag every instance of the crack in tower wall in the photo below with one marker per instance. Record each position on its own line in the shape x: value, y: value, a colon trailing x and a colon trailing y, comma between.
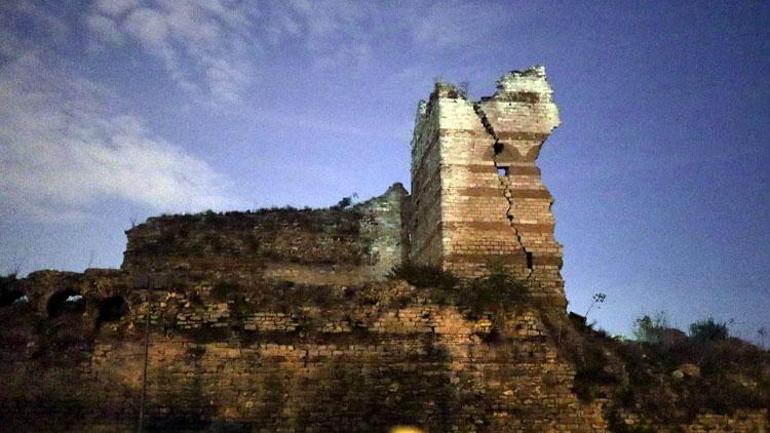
x: 497, y: 148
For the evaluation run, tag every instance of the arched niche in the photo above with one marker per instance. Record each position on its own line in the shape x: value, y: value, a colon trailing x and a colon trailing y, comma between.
x: 66, y: 302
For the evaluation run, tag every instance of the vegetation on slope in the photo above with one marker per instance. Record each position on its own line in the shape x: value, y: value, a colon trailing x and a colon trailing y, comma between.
x: 665, y: 376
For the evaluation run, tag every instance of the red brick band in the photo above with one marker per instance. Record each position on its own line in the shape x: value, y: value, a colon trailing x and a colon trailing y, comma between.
x: 514, y: 170
x: 534, y: 228
x: 477, y: 225
x: 449, y: 132
x: 498, y: 226
x: 501, y: 135
x: 493, y: 192
x: 522, y: 136
x: 505, y: 259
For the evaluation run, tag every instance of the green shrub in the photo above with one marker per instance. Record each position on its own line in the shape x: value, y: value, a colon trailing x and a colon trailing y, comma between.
x: 726, y: 396
x: 424, y: 276
x: 708, y: 330
x: 345, y: 202
x: 240, y: 307
x: 495, y: 291
x: 650, y: 330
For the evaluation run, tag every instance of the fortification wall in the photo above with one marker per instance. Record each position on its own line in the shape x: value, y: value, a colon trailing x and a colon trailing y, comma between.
x: 382, y: 226
x: 324, y: 359
x: 477, y: 161
x: 359, y: 242
x: 363, y: 363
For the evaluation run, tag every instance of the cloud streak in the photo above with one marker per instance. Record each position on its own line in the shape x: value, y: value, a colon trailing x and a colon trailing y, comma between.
x: 335, y: 33
x: 62, y: 150
x: 214, y: 48
x: 453, y: 24
x: 207, y: 47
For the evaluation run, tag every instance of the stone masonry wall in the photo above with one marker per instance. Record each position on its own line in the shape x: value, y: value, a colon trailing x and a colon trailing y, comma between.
x: 361, y: 361
x: 477, y: 160
x: 385, y: 245
x: 740, y: 422
x: 425, y: 217
x: 383, y: 229
x: 361, y: 241
x: 356, y: 366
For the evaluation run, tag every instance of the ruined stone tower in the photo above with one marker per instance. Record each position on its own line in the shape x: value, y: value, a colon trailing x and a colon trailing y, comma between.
x: 477, y: 196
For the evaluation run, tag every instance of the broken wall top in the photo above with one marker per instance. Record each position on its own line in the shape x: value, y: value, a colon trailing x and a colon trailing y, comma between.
x: 521, y: 114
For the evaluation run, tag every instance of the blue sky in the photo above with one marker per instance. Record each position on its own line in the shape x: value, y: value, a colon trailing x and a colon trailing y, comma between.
x: 113, y: 111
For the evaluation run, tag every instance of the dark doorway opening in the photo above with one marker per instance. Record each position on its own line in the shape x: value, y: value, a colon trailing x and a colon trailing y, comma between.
x: 12, y: 297
x: 111, y: 309
x: 66, y: 301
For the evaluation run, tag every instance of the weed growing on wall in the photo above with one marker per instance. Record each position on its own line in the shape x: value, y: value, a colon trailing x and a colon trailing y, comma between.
x: 423, y: 276
x: 494, y: 292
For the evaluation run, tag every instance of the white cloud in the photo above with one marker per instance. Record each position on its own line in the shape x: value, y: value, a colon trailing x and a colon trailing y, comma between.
x: 115, y: 7
x: 149, y: 27
x: 336, y: 33
x: 104, y: 28
x: 62, y: 151
x: 213, y: 47
x: 207, y: 46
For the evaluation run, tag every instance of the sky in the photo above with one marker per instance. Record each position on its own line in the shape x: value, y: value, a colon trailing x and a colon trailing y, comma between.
x: 112, y: 111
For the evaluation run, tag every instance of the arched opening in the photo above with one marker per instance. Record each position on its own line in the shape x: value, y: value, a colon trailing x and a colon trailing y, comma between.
x: 12, y: 297
x: 111, y: 309
x: 66, y: 301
